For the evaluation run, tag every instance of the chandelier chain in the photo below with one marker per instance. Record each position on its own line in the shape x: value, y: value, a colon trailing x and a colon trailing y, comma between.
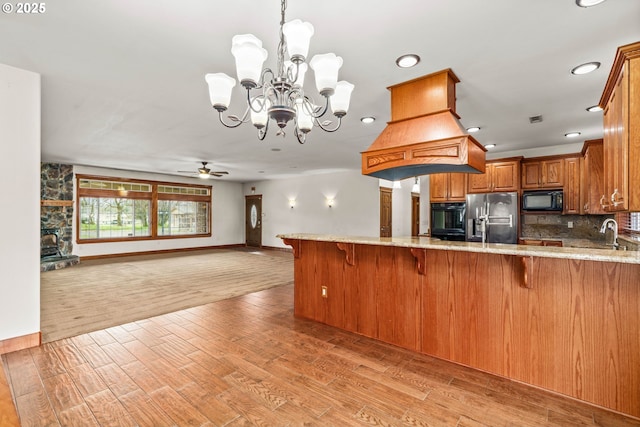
x: 282, y: 46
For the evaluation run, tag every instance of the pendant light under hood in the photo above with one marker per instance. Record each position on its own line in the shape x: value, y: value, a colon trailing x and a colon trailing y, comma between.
x: 424, y: 135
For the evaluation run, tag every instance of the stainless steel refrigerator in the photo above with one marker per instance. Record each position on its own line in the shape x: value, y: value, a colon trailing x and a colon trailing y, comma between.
x: 492, y: 216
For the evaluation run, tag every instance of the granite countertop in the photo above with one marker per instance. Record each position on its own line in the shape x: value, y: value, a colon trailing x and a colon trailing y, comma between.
x: 580, y: 253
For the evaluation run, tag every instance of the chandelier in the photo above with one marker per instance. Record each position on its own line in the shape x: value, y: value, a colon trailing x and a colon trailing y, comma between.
x: 279, y: 95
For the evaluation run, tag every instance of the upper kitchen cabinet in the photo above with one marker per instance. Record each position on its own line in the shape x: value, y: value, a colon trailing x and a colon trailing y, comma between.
x: 592, y: 177
x: 502, y: 175
x: 543, y: 172
x: 572, y: 196
x: 447, y: 187
x: 621, y: 103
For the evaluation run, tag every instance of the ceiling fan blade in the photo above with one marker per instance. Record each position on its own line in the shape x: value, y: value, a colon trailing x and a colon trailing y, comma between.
x: 187, y: 171
x: 220, y: 172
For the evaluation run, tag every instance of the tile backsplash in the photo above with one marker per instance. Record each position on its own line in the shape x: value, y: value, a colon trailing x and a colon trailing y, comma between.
x: 557, y: 227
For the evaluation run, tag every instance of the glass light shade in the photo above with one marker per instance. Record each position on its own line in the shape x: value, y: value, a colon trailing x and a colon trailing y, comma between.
x: 302, y: 70
x: 297, y: 35
x: 220, y: 87
x: 341, y: 97
x: 326, y: 68
x: 260, y: 118
x: 249, y: 54
x: 303, y: 116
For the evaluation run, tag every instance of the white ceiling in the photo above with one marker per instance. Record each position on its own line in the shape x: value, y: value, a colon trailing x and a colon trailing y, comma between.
x: 123, y: 80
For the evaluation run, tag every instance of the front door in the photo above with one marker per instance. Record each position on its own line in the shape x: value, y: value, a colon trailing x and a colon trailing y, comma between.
x: 385, y: 211
x: 253, y: 220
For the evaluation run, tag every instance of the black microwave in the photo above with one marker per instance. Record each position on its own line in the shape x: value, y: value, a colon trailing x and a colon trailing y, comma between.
x: 542, y: 200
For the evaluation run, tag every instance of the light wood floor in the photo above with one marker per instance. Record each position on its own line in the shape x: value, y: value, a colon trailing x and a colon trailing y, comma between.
x: 248, y: 361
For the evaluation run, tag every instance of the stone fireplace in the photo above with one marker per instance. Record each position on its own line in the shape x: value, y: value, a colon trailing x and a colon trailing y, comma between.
x: 56, y: 216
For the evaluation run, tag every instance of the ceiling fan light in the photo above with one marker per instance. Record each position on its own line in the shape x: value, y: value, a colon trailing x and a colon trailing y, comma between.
x: 325, y: 67
x: 220, y: 87
x: 297, y: 35
x: 304, y: 120
x: 203, y: 175
x: 341, y: 97
x: 249, y: 54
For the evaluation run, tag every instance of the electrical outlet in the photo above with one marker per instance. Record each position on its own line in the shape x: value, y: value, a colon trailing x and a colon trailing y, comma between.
x: 324, y: 292
x: 570, y: 224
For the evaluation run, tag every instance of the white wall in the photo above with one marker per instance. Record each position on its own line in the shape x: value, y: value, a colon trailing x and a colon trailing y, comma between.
x: 227, y: 217
x: 356, y: 209
x: 20, y: 213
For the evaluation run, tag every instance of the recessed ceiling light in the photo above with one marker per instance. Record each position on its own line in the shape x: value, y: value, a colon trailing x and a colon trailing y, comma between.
x: 488, y: 146
x: 572, y: 134
x: 473, y: 129
x: 585, y: 68
x: 367, y: 120
x: 407, y: 61
x: 588, y: 3
x: 594, y: 109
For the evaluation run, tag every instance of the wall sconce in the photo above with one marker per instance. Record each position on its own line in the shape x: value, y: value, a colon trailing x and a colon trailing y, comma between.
x: 416, y: 186
x: 330, y: 202
x: 292, y: 203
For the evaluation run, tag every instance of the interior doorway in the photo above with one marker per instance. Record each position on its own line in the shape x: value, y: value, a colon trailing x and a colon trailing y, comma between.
x: 415, y: 214
x: 253, y: 220
x: 385, y: 211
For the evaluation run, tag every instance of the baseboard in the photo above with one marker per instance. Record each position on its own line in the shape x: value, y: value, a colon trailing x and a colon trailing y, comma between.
x: 158, y: 252
x: 20, y: 343
x: 275, y: 248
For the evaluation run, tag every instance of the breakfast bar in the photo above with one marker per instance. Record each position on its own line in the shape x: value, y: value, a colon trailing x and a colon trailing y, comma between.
x: 563, y: 319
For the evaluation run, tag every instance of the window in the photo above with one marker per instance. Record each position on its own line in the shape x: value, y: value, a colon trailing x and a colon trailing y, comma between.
x: 629, y: 222
x: 117, y: 210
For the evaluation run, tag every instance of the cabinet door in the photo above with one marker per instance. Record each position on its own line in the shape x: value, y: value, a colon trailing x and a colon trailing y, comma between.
x: 615, y: 148
x: 457, y: 186
x: 531, y: 175
x: 572, y: 186
x: 480, y: 182
x: 505, y: 176
x: 438, y: 187
x: 553, y: 173
x: 593, y: 178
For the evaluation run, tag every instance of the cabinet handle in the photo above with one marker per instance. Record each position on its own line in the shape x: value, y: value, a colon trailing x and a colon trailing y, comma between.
x: 586, y: 207
x: 615, y: 198
x: 603, y: 202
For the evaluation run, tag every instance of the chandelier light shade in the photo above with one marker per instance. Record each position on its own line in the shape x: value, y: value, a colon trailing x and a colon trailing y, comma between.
x: 279, y: 95
x: 220, y: 88
x: 298, y: 34
x: 341, y: 97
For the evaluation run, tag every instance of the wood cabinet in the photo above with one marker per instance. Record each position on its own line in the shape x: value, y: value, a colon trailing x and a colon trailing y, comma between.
x: 592, y: 177
x: 571, y: 198
x: 621, y: 103
x: 448, y: 187
x: 542, y: 173
x: 500, y: 176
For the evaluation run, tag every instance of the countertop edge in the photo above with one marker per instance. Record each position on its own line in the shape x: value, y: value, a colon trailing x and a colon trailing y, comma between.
x: 585, y: 254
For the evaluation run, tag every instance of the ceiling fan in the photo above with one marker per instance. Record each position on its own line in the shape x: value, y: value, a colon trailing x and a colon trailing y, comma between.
x: 205, y: 172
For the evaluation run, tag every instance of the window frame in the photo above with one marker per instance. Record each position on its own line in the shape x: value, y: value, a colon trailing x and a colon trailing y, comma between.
x: 153, y: 196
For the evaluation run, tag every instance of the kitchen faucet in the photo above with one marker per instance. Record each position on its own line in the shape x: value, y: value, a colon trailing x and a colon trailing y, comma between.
x: 611, y: 224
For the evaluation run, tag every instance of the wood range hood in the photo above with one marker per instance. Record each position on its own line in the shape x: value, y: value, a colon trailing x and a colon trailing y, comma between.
x: 424, y: 135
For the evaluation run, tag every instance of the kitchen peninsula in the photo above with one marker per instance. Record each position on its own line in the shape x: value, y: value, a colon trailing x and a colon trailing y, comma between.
x: 563, y: 319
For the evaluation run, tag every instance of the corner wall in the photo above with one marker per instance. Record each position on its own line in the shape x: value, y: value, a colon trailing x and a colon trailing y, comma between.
x: 20, y: 217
